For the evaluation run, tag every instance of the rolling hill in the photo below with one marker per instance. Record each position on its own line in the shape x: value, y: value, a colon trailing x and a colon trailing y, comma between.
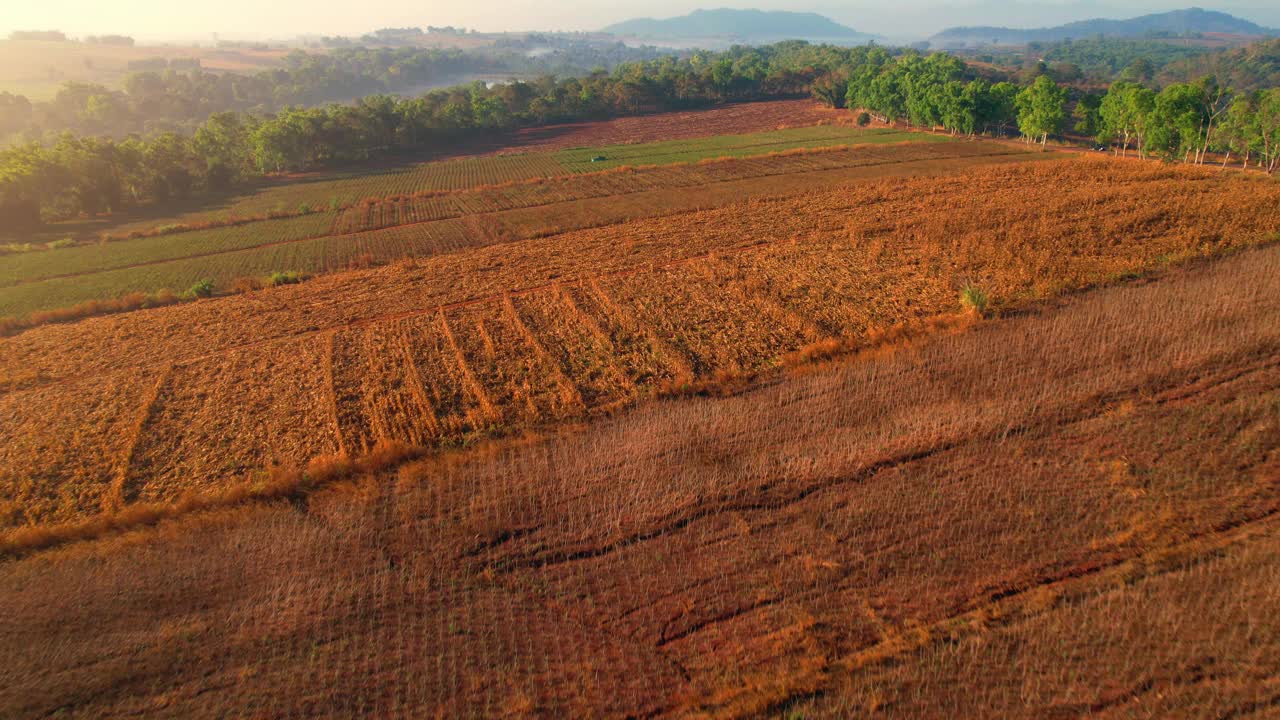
x: 1176, y: 22
x: 742, y: 25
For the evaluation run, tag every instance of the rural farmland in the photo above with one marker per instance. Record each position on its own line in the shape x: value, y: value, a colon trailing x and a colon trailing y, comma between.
x: 794, y: 380
x: 529, y: 338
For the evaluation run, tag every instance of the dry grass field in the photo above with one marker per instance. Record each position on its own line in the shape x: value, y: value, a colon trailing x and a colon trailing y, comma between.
x: 315, y: 226
x: 434, y: 223
x: 1067, y: 512
x: 804, y: 423
x: 448, y: 349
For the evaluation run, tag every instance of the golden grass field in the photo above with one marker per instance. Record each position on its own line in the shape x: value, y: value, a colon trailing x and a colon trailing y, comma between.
x: 708, y: 440
x: 450, y: 348
x: 1067, y: 512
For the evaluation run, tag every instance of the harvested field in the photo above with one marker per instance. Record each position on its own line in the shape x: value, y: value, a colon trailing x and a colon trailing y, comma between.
x: 404, y: 210
x: 434, y: 224
x: 453, y: 347
x: 1075, y: 509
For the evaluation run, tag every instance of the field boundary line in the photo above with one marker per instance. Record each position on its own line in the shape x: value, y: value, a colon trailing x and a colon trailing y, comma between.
x: 416, y: 387
x: 331, y: 392
x: 119, y: 492
x: 569, y: 392
x: 469, y: 381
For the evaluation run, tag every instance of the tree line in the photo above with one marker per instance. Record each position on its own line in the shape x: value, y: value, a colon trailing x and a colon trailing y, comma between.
x: 1181, y: 122
x: 73, y: 175
x: 1188, y: 121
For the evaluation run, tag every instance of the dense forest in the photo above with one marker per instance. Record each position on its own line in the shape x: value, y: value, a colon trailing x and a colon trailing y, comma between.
x: 1253, y: 67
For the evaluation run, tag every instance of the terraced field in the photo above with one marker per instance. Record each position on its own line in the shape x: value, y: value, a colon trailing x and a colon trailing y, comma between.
x: 461, y: 345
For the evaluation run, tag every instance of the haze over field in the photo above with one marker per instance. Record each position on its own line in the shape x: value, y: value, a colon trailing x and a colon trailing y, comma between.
x: 154, y: 20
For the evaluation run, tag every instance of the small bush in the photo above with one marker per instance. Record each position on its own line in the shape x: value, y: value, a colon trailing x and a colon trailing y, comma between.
x: 864, y: 119
x: 63, y: 243
x: 285, y: 278
x: 202, y: 289
x: 972, y: 298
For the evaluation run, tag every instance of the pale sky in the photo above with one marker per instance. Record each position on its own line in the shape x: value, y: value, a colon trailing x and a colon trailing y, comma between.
x: 283, y: 19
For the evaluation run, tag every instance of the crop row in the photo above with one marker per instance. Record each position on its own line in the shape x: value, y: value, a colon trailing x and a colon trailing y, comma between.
x: 290, y: 195
x: 78, y: 260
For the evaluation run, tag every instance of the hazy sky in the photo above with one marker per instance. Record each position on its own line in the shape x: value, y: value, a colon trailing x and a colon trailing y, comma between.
x: 154, y: 19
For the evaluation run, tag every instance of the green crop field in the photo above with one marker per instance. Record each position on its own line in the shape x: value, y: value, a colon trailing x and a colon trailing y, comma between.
x: 682, y: 151
x: 33, y: 266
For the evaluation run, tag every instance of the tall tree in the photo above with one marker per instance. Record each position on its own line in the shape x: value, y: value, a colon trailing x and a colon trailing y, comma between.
x: 1041, y: 109
x: 1177, y: 122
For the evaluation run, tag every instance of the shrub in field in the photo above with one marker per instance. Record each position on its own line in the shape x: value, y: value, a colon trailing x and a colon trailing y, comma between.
x: 864, y: 119
x: 290, y: 277
x: 972, y: 298
x: 201, y: 289
x: 63, y: 243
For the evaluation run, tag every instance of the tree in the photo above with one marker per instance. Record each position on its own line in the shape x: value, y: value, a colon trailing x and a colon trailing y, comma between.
x: 831, y: 90
x: 1267, y: 128
x: 1087, y: 114
x: 1041, y: 109
x: 1216, y: 99
x: 1239, y: 129
x: 1122, y: 115
x: 1177, y: 122
x: 1001, y: 108
x: 15, y: 113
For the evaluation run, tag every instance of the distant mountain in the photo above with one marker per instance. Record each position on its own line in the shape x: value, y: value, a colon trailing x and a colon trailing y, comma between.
x: 1173, y: 23
x: 740, y: 25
